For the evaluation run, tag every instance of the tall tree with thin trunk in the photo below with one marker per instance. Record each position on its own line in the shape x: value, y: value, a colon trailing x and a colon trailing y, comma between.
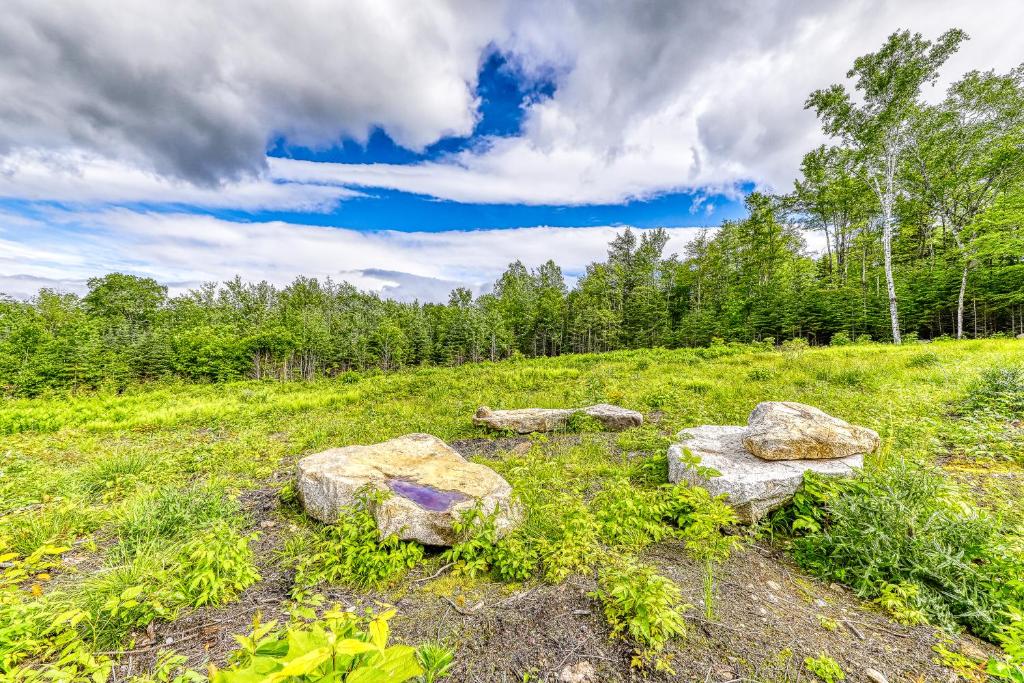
x: 889, y: 83
x: 832, y: 197
x: 965, y: 153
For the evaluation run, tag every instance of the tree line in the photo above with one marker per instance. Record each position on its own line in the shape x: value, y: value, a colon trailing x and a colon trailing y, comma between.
x: 920, y: 207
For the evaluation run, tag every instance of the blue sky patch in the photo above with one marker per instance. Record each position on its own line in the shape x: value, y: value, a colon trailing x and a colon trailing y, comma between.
x: 503, y: 93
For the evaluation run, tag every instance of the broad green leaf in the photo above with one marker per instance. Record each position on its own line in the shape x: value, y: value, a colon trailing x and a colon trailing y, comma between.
x: 302, y: 665
x: 397, y: 663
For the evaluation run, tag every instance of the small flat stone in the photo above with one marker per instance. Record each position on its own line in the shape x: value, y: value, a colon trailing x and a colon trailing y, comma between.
x: 527, y: 420
x: 580, y: 672
x: 875, y: 676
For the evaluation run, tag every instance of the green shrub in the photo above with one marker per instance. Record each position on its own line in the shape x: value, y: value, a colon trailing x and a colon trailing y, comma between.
x: 646, y: 440
x: 350, y: 552
x: 840, y: 339
x: 39, y: 634
x: 642, y: 607
x: 923, y: 360
x: 846, y: 377
x: 900, y: 600
x: 340, y: 647
x: 1011, y: 634
x: 901, y: 534
x: 808, y: 510
x: 127, y: 595
x: 115, y: 473
x: 985, y: 427
x: 581, y: 423
x: 572, y: 547
x: 436, y: 661
x: 479, y: 550
x: 629, y: 517
x: 701, y: 520
x: 218, y: 565
x: 473, y: 554
x: 170, y: 514
x: 656, y: 400
x: 825, y: 668
x: 999, y: 391
x: 792, y: 348
x: 60, y: 524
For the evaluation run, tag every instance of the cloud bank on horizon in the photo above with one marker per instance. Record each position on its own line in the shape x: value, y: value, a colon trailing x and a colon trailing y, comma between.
x: 270, y: 140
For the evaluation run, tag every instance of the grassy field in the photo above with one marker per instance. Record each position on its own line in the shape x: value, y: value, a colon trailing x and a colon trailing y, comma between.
x: 123, y: 513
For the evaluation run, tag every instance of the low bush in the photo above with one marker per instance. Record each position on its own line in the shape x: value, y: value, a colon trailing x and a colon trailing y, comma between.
x: 999, y: 391
x: 924, y: 360
x: 825, y: 668
x: 342, y: 646
x: 987, y: 417
x: 171, y: 513
x: 350, y: 552
x: 840, y: 339
x: 794, y: 348
x: 115, y: 473
x: 436, y: 661
x: 902, y: 536
x: 218, y: 565
x: 642, y: 607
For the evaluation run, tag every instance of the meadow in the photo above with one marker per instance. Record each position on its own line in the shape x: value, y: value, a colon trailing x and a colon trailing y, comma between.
x: 132, y: 522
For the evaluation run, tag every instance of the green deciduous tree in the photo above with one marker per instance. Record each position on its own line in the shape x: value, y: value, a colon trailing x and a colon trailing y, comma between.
x: 889, y: 83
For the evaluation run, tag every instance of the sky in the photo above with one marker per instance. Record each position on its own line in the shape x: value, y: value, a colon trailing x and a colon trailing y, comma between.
x: 410, y: 148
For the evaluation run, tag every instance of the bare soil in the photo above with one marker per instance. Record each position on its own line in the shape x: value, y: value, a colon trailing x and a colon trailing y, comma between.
x: 769, y: 616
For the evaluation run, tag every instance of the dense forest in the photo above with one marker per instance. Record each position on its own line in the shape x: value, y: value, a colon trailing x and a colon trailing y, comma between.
x: 920, y: 206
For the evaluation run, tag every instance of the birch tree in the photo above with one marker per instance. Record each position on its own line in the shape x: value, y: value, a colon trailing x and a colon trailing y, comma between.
x: 888, y: 83
x: 832, y: 197
x: 965, y: 153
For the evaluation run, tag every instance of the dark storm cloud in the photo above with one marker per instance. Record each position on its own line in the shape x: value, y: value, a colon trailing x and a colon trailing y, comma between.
x: 651, y: 96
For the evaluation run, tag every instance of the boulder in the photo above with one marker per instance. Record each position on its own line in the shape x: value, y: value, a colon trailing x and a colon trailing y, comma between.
x: 430, y: 486
x: 523, y: 421
x: 526, y: 420
x: 614, y: 418
x: 785, y: 430
x: 753, y: 487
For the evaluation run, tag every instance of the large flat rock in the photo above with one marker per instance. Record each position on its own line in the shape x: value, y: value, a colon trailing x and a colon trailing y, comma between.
x: 754, y: 487
x: 786, y: 430
x: 527, y: 420
x: 430, y: 486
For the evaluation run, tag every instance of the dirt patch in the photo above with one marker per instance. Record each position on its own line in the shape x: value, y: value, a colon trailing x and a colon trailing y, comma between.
x: 997, y: 486
x: 769, y: 616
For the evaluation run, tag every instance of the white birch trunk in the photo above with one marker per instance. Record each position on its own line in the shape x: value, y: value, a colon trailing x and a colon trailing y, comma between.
x: 960, y: 303
x: 886, y: 199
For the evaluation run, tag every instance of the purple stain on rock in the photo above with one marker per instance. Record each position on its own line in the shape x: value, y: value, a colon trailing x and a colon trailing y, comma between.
x: 427, y: 497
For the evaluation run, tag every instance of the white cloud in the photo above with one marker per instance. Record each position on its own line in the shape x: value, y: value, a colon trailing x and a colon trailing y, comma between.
x: 197, y: 89
x: 63, y: 249
x: 78, y: 178
x: 655, y: 97
x: 678, y: 96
